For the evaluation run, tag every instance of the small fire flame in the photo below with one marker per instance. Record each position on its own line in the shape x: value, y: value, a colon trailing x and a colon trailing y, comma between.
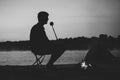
x: 84, y: 65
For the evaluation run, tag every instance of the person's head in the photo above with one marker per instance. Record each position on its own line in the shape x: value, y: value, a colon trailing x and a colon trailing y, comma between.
x: 43, y: 17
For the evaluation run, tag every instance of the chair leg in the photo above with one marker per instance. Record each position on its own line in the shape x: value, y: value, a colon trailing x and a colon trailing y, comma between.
x: 42, y: 58
x: 39, y: 60
x: 36, y: 60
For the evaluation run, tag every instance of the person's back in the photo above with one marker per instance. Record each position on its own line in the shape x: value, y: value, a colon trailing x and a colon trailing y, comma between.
x: 38, y: 38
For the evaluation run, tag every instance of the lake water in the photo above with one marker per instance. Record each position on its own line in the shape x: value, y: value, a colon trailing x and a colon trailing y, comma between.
x: 27, y: 57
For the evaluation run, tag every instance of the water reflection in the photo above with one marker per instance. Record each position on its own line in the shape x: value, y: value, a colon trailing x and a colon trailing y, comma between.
x: 27, y: 58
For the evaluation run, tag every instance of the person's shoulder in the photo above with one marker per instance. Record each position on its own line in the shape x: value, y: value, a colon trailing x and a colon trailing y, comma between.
x: 35, y: 27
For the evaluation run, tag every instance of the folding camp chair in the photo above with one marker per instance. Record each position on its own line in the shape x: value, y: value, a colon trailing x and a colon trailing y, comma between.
x: 39, y: 57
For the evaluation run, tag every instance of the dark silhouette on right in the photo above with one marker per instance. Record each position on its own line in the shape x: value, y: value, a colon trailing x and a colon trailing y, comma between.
x: 99, y: 54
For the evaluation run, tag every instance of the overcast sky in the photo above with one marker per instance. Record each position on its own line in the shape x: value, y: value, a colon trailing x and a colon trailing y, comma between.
x: 72, y: 18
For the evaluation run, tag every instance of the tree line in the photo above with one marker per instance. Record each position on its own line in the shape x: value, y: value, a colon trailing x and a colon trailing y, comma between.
x: 78, y: 43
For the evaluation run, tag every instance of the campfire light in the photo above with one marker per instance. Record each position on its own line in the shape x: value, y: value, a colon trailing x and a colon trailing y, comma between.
x: 84, y: 65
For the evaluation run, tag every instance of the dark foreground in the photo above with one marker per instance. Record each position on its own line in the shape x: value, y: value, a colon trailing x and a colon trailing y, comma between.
x: 59, y: 72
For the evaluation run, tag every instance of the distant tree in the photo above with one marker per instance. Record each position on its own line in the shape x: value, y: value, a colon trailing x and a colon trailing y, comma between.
x: 118, y: 37
x: 110, y: 37
x: 103, y: 36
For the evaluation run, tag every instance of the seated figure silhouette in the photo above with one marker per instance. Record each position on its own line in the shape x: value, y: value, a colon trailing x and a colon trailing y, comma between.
x: 99, y: 54
x: 40, y: 44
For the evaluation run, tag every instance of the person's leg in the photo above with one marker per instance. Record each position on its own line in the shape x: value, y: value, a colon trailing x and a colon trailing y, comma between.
x: 55, y: 55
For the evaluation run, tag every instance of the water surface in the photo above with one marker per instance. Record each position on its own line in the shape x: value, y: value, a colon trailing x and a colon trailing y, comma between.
x: 27, y: 57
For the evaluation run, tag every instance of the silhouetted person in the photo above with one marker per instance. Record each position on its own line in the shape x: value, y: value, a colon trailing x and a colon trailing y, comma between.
x: 40, y: 44
x: 99, y: 54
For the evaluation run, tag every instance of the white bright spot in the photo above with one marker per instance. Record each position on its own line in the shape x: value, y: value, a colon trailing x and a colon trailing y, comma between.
x: 83, y: 65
